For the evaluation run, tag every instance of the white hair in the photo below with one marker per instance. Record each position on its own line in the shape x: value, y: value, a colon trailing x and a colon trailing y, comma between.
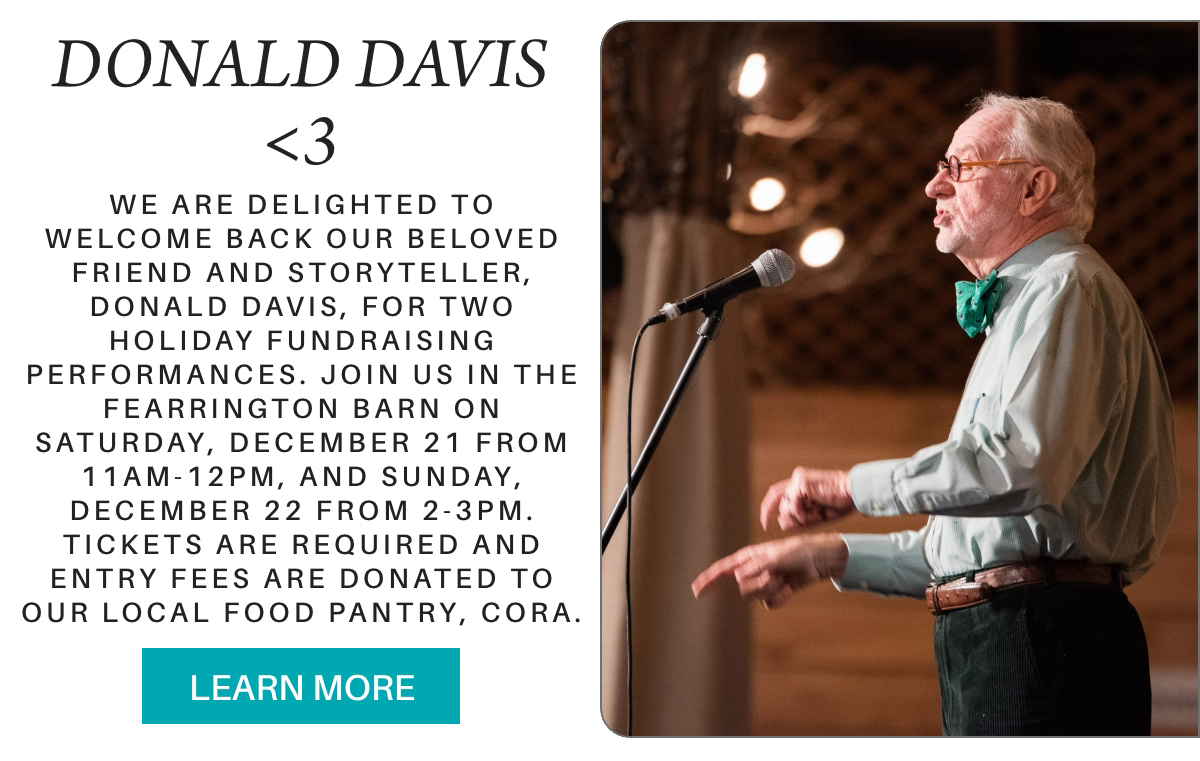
x: 1050, y: 134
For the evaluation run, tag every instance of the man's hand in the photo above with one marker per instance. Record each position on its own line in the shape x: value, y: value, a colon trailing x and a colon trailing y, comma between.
x: 809, y: 496
x: 773, y: 570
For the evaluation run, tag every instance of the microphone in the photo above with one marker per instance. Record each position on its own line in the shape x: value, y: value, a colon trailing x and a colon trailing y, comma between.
x: 770, y: 269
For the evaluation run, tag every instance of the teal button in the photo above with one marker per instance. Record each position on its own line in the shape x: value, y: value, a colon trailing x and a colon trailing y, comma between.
x: 209, y: 685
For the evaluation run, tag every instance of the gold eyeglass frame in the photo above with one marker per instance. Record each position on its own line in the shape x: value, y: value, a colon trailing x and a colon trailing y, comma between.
x: 955, y: 165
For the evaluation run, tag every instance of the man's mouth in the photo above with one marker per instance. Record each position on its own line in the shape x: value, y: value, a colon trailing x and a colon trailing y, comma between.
x: 942, y: 217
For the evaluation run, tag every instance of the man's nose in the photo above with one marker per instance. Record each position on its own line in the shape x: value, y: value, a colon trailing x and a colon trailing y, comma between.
x: 940, y: 186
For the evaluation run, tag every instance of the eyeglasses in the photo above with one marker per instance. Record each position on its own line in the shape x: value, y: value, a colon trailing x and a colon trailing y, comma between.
x: 955, y: 166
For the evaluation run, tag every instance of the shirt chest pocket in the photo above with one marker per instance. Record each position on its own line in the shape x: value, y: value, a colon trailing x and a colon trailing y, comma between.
x: 986, y: 410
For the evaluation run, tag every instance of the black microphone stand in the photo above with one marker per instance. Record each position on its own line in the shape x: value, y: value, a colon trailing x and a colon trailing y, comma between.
x: 707, y: 332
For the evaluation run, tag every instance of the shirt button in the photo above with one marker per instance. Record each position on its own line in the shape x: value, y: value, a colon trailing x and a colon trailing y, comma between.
x: 876, y: 506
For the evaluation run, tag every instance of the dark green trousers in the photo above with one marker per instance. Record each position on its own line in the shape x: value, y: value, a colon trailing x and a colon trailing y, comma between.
x: 1059, y: 660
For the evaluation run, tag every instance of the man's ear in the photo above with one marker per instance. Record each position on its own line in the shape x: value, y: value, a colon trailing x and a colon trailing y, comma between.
x: 1037, y: 189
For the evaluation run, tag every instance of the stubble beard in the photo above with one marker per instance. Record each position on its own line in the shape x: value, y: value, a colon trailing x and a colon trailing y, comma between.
x: 961, y: 232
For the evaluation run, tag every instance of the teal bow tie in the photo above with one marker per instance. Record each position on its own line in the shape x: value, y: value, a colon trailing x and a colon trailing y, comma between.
x: 977, y: 302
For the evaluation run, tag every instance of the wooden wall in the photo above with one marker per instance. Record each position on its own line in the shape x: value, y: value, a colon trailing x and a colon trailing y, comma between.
x: 833, y: 663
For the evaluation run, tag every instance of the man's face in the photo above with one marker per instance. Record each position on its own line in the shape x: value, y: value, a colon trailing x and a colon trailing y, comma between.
x: 984, y: 200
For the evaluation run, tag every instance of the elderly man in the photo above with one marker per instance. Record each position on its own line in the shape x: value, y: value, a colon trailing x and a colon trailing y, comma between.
x: 1057, y: 483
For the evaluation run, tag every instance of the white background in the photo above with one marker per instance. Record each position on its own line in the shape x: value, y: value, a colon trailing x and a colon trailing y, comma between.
x: 74, y: 690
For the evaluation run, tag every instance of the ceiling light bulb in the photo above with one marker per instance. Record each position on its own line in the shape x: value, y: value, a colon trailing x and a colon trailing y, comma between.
x: 754, y: 75
x: 822, y: 247
x: 767, y: 193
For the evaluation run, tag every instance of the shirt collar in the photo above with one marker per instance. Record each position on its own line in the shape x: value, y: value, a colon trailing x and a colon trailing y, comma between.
x: 1017, y: 268
x: 1031, y: 256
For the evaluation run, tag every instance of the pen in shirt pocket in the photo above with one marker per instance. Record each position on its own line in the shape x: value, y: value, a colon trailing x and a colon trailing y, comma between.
x: 975, y: 409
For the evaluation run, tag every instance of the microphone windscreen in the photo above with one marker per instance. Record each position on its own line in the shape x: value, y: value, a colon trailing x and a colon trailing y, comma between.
x: 774, y: 268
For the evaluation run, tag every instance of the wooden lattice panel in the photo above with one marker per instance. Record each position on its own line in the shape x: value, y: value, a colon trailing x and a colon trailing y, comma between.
x: 883, y: 312
x: 1145, y: 139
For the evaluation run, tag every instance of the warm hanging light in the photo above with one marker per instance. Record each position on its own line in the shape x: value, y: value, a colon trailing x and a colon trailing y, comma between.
x: 767, y: 193
x: 754, y: 75
x: 822, y: 247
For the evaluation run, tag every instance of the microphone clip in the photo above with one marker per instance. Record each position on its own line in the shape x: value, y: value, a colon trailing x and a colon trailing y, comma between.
x: 712, y: 322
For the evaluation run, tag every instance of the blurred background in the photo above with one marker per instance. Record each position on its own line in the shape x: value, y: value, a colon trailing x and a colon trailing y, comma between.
x: 723, y: 140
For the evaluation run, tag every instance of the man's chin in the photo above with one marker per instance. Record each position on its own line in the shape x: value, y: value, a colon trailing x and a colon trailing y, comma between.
x: 947, y: 243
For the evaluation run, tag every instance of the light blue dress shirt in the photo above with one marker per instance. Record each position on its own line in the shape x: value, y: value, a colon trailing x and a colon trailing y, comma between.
x: 1063, y: 445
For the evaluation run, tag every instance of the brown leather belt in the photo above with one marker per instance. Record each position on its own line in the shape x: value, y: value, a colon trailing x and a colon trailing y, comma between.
x: 964, y: 593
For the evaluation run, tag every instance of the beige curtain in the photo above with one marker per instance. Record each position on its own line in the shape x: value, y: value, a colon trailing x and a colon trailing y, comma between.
x: 691, y: 658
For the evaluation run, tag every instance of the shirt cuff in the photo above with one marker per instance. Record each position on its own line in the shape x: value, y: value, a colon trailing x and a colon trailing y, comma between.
x: 887, y: 564
x: 872, y: 489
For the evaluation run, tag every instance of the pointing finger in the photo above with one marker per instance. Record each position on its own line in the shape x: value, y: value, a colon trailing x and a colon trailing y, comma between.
x: 726, y: 566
